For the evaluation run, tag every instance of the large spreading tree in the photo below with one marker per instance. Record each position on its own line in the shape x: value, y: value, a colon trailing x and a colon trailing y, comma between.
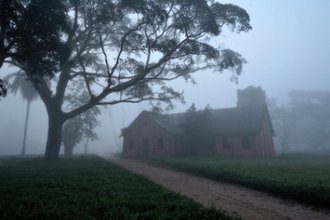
x: 124, y: 51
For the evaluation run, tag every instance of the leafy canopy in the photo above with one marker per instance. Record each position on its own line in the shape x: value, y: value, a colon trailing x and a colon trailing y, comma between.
x: 132, y: 48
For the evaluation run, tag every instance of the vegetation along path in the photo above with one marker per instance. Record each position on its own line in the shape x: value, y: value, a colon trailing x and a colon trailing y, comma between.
x: 233, y: 199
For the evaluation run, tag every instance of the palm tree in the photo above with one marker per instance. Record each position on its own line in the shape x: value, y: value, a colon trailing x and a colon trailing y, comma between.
x: 28, y: 92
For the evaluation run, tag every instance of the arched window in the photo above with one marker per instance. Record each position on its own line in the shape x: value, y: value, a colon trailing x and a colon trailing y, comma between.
x: 246, y: 143
x: 226, y: 143
x: 131, y: 144
x: 160, y: 143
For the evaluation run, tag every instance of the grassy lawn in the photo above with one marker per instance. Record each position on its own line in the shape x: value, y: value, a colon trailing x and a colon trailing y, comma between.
x: 304, y: 178
x: 88, y: 188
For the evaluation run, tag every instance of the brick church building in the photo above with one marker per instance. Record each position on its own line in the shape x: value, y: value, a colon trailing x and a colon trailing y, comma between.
x: 245, y: 130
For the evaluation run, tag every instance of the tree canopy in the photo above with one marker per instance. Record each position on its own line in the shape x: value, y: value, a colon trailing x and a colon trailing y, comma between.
x: 124, y: 51
x: 30, y: 32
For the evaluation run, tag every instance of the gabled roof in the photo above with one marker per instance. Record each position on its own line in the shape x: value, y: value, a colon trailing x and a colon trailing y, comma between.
x: 243, y: 120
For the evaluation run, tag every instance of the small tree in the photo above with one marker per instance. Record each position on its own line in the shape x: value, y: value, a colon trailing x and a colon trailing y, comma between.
x: 79, y: 128
x: 197, y: 130
x: 82, y: 126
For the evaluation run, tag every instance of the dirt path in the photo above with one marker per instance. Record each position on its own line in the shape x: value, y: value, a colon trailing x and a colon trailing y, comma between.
x: 233, y: 199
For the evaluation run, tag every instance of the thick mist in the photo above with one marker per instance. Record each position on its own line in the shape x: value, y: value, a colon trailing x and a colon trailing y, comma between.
x: 287, y: 49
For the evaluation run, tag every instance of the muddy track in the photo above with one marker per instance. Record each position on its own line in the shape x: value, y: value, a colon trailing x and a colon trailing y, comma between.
x: 233, y: 199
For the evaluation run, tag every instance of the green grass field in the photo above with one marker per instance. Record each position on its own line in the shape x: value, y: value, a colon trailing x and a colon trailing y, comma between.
x: 87, y: 188
x: 304, y: 178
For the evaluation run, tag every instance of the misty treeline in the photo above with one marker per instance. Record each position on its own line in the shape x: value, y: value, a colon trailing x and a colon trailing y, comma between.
x: 122, y: 50
x: 303, y: 124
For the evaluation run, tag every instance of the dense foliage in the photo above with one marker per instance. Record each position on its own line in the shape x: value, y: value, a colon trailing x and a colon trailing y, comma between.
x: 30, y: 32
x: 88, y: 188
x: 299, y: 177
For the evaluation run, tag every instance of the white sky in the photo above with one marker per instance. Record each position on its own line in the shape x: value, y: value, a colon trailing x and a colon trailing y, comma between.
x: 288, y: 48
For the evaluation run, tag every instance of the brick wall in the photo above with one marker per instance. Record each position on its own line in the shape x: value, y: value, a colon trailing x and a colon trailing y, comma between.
x: 145, y: 136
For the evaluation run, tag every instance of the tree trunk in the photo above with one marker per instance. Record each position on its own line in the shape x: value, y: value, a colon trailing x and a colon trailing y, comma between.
x: 86, y: 144
x: 54, y: 136
x: 26, y: 126
x: 68, y: 150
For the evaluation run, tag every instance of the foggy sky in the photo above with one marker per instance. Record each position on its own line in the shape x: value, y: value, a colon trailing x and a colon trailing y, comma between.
x: 288, y: 48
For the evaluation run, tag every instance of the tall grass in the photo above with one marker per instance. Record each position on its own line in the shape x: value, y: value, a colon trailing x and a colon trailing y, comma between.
x: 305, y: 178
x: 88, y: 188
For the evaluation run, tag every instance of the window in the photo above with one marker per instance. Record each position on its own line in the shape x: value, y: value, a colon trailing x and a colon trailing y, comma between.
x: 131, y: 144
x: 160, y: 143
x: 246, y: 143
x: 226, y: 143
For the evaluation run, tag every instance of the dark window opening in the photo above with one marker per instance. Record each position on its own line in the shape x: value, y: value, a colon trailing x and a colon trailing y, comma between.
x: 131, y: 144
x: 226, y: 143
x: 246, y: 143
x: 160, y: 143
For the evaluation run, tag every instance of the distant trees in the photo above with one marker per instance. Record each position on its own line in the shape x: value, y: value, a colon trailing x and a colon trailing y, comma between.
x: 79, y: 128
x: 283, y: 121
x: 304, y: 124
x: 197, y: 133
x: 28, y: 93
x: 124, y: 51
x: 312, y: 108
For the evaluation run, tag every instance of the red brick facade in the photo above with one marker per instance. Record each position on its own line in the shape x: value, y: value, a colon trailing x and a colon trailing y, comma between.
x: 260, y: 144
x: 145, y: 136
